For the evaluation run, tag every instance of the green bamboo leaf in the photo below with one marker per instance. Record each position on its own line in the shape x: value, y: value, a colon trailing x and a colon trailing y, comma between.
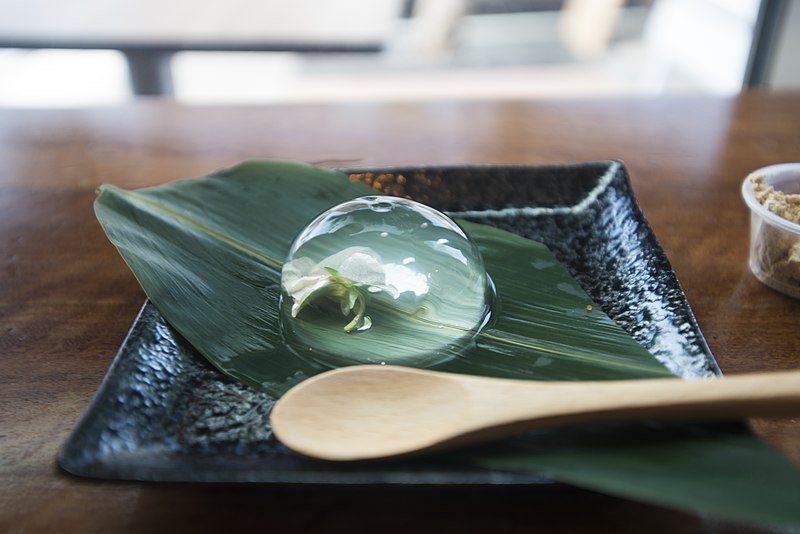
x: 717, y: 469
x: 547, y: 328
x: 208, y: 253
x: 214, y: 273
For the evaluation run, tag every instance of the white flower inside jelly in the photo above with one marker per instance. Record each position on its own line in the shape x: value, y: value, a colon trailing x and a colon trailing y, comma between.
x: 383, y: 280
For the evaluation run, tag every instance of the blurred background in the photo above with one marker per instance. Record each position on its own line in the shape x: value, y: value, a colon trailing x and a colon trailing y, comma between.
x: 105, y: 52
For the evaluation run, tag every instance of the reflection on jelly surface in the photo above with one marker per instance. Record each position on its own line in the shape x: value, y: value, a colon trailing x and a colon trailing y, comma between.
x: 383, y: 280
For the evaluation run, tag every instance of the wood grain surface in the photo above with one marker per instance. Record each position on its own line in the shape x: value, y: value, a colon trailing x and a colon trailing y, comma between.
x: 67, y: 299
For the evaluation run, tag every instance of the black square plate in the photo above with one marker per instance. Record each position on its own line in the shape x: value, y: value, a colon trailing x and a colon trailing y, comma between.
x: 163, y: 414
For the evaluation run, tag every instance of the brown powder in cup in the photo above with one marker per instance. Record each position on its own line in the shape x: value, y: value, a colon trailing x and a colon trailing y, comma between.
x: 778, y: 251
x: 778, y: 202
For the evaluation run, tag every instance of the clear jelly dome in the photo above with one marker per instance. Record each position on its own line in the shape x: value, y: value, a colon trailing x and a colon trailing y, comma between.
x: 383, y: 280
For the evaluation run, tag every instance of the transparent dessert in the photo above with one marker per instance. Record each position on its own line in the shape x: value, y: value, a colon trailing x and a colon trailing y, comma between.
x: 383, y: 280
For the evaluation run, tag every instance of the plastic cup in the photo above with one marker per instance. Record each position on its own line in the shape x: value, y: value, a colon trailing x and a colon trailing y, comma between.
x: 774, y: 241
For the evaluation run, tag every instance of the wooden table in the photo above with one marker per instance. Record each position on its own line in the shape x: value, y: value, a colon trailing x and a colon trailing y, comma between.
x: 67, y: 299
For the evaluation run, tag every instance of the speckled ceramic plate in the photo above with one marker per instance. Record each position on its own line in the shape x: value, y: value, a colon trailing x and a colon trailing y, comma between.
x: 162, y: 413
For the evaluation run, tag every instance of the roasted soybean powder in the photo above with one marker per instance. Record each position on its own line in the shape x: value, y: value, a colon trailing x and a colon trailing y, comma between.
x: 778, y: 251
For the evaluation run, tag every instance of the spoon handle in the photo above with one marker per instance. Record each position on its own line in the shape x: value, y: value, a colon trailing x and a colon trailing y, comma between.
x: 765, y: 394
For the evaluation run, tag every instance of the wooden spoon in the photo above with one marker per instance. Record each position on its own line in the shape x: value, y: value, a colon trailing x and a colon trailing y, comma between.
x: 373, y: 411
